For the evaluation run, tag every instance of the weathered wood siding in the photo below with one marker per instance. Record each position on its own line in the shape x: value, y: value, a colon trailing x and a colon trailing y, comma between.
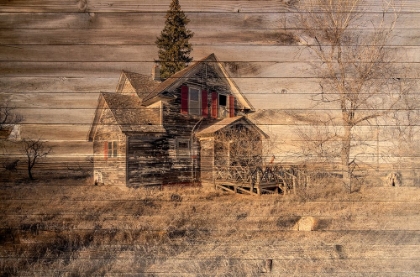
x: 147, y: 157
x: 109, y: 169
x: 206, y: 79
x: 185, y: 126
x: 159, y: 160
x: 154, y: 160
x: 207, y: 159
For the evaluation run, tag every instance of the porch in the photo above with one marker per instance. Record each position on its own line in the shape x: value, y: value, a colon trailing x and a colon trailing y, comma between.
x: 257, y: 180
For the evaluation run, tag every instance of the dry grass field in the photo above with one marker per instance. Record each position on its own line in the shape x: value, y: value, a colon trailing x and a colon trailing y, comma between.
x: 57, y: 56
x: 65, y: 226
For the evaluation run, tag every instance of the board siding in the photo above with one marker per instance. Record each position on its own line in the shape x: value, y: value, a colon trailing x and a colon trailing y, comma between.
x: 57, y: 56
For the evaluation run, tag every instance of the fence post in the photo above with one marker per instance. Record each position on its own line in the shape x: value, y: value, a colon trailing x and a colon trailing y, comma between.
x: 258, y: 182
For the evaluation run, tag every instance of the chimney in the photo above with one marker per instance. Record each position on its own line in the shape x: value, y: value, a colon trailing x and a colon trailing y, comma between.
x: 156, y: 72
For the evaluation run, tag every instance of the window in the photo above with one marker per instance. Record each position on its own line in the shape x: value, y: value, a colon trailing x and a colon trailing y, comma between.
x: 194, y: 102
x: 183, y: 148
x: 222, y: 100
x: 112, y: 149
x: 223, y: 106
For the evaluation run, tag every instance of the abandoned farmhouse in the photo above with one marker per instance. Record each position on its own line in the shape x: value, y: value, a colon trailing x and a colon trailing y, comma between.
x: 176, y: 131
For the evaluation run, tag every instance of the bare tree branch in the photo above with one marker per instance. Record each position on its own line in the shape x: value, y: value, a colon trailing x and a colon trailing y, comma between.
x: 8, y: 116
x: 35, y: 150
x: 355, y: 67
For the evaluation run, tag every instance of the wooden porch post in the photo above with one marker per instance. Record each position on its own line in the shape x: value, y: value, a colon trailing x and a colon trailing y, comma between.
x: 258, y: 182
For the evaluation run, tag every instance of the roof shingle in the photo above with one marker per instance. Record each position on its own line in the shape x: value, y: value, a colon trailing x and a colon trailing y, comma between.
x: 143, y: 84
x: 131, y: 116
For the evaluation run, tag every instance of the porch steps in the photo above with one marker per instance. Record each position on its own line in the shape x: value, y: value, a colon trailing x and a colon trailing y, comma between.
x: 258, y: 189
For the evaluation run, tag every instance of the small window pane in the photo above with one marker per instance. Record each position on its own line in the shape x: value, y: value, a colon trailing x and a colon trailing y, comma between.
x: 110, y: 149
x: 183, y: 148
x: 223, y: 105
x: 194, y: 102
x: 194, y: 96
x: 115, y: 149
x: 222, y: 100
x: 183, y: 144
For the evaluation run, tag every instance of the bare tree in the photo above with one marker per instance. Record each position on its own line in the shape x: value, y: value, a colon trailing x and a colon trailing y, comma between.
x: 8, y: 119
x: 405, y: 132
x: 355, y: 68
x: 8, y: 115
x: 35, y: 150
x: 407, y: 115
x: 320, y: 141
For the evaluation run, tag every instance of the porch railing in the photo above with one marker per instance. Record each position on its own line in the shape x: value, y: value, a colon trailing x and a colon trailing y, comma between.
x: 258, y: 175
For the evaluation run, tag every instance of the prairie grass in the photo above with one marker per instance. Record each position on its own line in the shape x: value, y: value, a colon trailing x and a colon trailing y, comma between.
x: 68, y: 227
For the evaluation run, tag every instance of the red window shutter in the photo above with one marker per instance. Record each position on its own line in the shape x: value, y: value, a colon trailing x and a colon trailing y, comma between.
x: 214, y: 104
x: 106, y: 150
x: 184, y: 99
x: 231, y: 106
x: 204, y: 107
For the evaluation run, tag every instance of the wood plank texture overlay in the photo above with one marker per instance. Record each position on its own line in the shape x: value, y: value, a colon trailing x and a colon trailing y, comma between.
x: 241, y: 177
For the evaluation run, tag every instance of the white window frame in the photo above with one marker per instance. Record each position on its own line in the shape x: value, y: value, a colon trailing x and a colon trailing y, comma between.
x: 194, y: 110
x: 112, y: 149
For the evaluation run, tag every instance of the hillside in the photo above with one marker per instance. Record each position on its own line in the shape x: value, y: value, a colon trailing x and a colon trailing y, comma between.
x: 67, y: 227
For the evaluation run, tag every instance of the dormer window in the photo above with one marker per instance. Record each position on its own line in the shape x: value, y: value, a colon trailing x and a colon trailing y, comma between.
x: 194, y: 101
x: 222, y: 105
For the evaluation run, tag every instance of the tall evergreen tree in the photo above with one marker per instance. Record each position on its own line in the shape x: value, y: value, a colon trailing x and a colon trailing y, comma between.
x: 173, y: 42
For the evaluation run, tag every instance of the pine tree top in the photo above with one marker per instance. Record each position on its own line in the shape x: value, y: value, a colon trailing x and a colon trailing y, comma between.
x: 173, y: 42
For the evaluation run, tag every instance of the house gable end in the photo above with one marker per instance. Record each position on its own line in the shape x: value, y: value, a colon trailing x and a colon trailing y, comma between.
x: 127, y: 88
x: 103, y: 117
x: 135, y: 83
x: 209, y: 74
x: 121, y: 83
x: 98, y: 114
x: 245, y: 104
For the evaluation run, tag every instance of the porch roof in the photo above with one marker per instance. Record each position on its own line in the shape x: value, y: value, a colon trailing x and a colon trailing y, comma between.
x: 210, y: 130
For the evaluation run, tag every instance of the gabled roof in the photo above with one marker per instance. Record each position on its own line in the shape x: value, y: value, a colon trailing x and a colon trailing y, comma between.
x: 132, y: 111
x: 129, y: 114
x: 178, y: 78
x: 210, y: 130
x: 142, y: 84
